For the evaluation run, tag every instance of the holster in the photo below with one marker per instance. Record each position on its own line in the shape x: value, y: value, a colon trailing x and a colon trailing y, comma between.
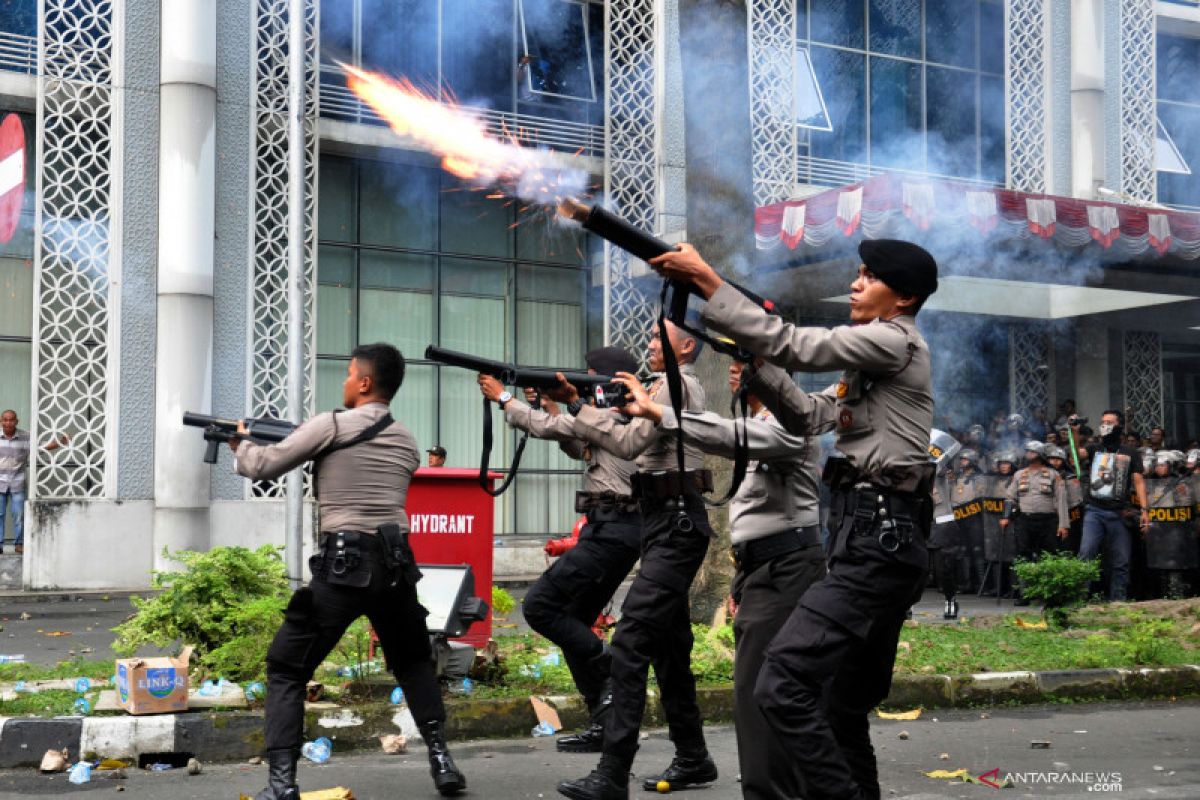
x: 398, y: 555
x: 340, y: 561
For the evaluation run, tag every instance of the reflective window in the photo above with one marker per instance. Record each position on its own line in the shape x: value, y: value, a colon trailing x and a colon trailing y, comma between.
x: 19, y: 16
x: 836, y: 22
x: 556, y: 50
x: 896, y: 27
x: 16, y: 275
x: 810, y: 102
x: 410, y: 258
x: 843, y: 77
x: 1179, y: 121
x: 896, y: 139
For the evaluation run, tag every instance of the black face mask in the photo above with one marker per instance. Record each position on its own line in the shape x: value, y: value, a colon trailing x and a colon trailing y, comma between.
x: 1112, y: 440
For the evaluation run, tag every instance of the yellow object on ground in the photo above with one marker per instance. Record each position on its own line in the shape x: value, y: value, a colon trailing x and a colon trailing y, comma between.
x: 1033, y: 626
x: 664, y: 787
x: 945, y: 774
x: 902, y: 715
x: 337, y: 793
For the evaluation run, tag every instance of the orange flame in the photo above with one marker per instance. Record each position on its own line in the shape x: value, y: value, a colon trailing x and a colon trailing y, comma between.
x: 459, y: 136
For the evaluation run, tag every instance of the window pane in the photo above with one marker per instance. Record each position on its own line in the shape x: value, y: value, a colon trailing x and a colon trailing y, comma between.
x: 15, y: 389
x: 478, y: 52
x: 16, y: 298
x: 402, y: 319
x: 331, y: 374
x: 400, y: 37
x: 837, y: 22
x: 382, y: 270
x: 335, y: 265
x: 467, y: 276
x: 1178, y: 68
x: 337, y: 31
x: 556, y: 49
x: 549, y: 334
x: 1184, y: 123
x: 335, y: 320
x: 473, y: 224
x: 548, y: 283
x: 991, y: 36
x: 991, y: 129
x: 414, y: 404
x: 336, y: 212
x: 950, y: 32
x: 950, y: 105
x: 545, y: 504
x: 896, y: 27
x: 543, y: 236
x: 460, y: 404
x: 810, y: 102
x: 896, y: 114
x: 19, y: 16
x: 842, y: 77
x: 399, y: 205
x: 474, y: 325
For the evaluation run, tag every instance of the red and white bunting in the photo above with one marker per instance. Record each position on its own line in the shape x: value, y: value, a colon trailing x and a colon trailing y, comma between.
x: 12, y: 175
x: 1159, y: 231
x: 917, y: 203
x: 792, y: 230
x: 1104, y: 225
x: 982, y: 211
x: 849, y: 210
x: 1042, y: 216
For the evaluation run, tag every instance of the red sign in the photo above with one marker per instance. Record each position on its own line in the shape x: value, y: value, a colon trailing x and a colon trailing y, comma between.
x: 12, y: 175
x: 451, y: 521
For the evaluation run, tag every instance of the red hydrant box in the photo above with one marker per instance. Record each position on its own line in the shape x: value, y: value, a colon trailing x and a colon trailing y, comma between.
x: 153, y: 685
x: 451, y: 521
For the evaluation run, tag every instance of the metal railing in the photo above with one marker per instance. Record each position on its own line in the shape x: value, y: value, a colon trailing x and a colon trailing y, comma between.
x: 338, y: 102
x: 826, y: 172
x: 18, y: 53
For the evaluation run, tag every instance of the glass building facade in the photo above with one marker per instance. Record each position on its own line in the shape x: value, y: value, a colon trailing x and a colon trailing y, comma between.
x: 16, y: 290
x: 1178, y: 66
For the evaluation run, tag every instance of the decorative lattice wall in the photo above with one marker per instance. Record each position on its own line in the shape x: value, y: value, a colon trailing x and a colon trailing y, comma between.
x: 1025, y: 94
x: 77, y: 105
x: 772, y: 32
x: 1030, y: 362
x: 632, y: 175
x: 1143, y: 380
x: 269, y: 213
x: 1139, y: 118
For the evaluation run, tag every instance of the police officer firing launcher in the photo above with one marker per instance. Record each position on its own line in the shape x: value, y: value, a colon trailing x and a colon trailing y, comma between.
x: 363, y: 462
x: 831, y: 663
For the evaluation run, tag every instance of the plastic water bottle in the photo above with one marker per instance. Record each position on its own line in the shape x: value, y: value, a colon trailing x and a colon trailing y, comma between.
x: 552, y: 659
x: 256, y: 691
x: 317, y: 751
x: 82, y: 685
x: 20, y: 686
x: 82, y: 707
x: 209, y: 689
x: 467, y: 685
x: 397, y: 696
x: 543, y: 728
x: 17, y: 659
x: 81, y: 772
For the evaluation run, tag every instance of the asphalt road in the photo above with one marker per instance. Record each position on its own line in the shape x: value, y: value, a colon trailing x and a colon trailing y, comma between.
x: 1153, y: 746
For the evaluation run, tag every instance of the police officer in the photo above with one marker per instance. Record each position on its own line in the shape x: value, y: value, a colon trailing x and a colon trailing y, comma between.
x: 655, y: 626
x: 1057, y: 458
x: 774, y: 526
x: 967, y: 493
x: 363, y: 462
x: 565, y: 601
x: 1037, y: 498
x: 945, y: 541
x: 832, y: 661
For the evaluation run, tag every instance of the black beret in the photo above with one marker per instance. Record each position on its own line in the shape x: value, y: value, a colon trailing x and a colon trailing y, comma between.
x: 437, y: 450
x: 611, y: 360
x: 905, y: 267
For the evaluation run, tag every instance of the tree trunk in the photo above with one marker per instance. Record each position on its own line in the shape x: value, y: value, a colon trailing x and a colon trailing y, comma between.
x: 720, y: 211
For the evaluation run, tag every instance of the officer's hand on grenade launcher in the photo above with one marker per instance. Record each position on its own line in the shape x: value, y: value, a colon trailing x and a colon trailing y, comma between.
x: 637, y: 399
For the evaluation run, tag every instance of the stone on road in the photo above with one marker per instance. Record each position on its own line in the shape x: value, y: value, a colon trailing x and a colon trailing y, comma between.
x: 1153, y: 747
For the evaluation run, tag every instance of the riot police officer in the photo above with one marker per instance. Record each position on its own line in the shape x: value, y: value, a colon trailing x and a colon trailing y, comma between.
x: 774, y: 527
x: 945, y: 540
x: 1037, y: 498
x: 1057, y: 458
x: 832, y: 661
x: 655, y: 626
x: 1172, y: 550
x: 363, y: 462
x: 998, y: 542
x: 565, y: 600
x: 967, y: 493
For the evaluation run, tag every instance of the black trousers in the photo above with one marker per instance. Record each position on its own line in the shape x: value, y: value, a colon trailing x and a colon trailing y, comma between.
x: 314, y: 622
x: 1037, y: 534
x: 766, y: 597
x: 831, y: 663
x: 655, y: 629
x: 567, y: 598
x: 971, y: 557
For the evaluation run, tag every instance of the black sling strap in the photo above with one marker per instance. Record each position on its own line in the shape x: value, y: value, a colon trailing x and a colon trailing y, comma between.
x: 486, y: 456
x: 365, y: 435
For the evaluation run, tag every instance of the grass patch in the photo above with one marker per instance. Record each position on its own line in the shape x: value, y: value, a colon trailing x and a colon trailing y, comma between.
x: 75, y: 668
x: 48, y: 703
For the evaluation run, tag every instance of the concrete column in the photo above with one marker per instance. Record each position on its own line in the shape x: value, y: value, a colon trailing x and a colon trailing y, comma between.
x: 1092, y: 370
x: 1087, y: 97
x: 186, y: 208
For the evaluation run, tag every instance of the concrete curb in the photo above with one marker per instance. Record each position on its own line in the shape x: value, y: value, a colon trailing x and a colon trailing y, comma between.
x: 237, y: 735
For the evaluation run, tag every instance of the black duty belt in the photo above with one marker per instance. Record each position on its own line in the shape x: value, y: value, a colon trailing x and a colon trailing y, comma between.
x: 604, y: 501
x: 885, y: 513
x: 750, y: 555
x: 670, y: 483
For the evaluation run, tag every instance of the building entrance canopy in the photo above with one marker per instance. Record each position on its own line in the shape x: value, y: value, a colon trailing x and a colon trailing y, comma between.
x: 909, y: 207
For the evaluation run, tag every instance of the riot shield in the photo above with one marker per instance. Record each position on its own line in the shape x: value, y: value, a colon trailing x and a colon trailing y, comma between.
x: 1171, y: 541
x: 998, y: 545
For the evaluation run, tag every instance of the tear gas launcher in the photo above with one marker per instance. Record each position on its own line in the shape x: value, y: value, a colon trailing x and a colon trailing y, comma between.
x: 262, y: 430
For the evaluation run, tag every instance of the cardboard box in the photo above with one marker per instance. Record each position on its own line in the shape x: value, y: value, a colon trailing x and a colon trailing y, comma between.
x: 153, y: 685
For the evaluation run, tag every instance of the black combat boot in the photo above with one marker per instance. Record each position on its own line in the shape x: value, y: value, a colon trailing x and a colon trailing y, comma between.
x: 590, y: 740
x: 446, y: 777
x: 608, y: 781
x: 951, y: 611
x: 684, y: 772
x: 281, y: 776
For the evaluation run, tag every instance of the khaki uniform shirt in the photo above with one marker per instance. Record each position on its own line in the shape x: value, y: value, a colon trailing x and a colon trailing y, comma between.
x: 881, y: 409
x: 651, y: 447
x: 782, y: 486
x: 605, y: 471
x: 362, y: 487
x: 1039, y: 490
